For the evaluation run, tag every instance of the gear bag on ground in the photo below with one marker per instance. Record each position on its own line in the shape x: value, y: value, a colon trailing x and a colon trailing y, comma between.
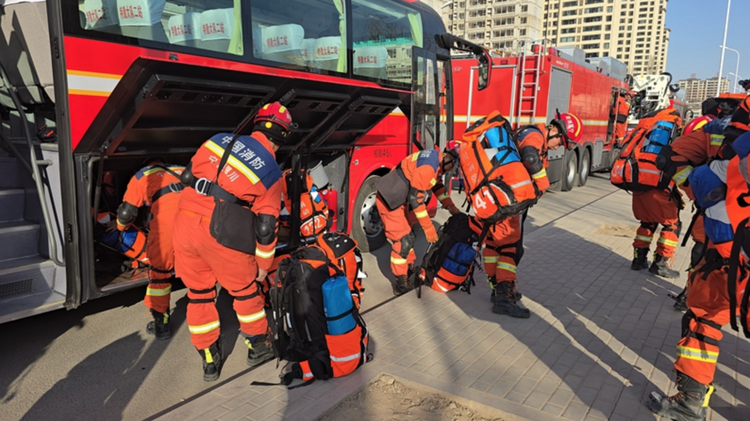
x: 449, y: 264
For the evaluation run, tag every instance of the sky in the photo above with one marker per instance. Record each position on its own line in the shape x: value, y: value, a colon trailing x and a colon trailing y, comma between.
x: 697, y: 32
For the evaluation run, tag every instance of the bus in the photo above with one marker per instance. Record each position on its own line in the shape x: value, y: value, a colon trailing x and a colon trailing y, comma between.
x: 91, y: 88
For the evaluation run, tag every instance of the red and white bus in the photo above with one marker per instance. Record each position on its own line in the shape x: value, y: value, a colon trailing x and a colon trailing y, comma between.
x: 531, y: 86
x: 117, y: 81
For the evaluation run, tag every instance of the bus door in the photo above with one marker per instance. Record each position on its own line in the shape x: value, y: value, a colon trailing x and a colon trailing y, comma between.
x: 425, y: 104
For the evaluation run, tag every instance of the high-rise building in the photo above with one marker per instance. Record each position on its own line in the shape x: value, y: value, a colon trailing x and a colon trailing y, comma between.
x: 698, y: 90
x: 495, y: 24
x: 632, y: 31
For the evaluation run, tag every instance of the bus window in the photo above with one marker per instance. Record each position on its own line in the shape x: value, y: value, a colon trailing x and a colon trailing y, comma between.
x: 310, y: 33
x: 214, y: 25
x: 383, y: 35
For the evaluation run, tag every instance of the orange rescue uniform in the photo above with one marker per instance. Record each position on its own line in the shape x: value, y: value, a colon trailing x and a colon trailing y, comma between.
x: 157, y: 186
x: 621, y: 119
x: 251, y: 174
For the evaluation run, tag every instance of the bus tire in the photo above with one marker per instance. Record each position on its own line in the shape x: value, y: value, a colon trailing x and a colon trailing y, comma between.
x: 584, y: 168
x: 570, y: 171
x: 367, y: 228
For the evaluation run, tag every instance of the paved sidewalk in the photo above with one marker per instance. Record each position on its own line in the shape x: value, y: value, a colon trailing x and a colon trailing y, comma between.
x: 601, y: 337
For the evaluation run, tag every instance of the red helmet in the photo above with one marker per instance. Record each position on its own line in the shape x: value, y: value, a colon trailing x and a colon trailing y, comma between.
x: 695, y: 124
x: 275, y: 113
x: 451, y: 148
x: 569, y: 125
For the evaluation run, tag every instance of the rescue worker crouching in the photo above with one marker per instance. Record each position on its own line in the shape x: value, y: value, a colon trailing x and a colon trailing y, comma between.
x: 406, y: 190
x: 226, y: 230
x: 504, y: 244
x: 158, y: 186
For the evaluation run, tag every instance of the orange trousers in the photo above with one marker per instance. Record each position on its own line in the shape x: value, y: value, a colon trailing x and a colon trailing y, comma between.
x: 200, y: 261
x: 160, y: 255
x: 501, y: 253
x: 654, y: 207
x: 397, y: 224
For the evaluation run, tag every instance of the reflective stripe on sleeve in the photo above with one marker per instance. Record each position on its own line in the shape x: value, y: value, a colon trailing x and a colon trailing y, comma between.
x: 264, y: 254
x: 422, y: 214
x: 540, y: 174
x: 682, y: 175
x: 398, y: 261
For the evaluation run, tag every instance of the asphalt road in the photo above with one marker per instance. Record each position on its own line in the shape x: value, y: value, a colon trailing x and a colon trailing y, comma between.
x: 97, y: 362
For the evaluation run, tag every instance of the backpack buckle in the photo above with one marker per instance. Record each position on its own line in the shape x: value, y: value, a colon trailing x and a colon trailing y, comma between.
x: 203, y: 186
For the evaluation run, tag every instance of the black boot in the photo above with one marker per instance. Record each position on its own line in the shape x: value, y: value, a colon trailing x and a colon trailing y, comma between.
x: 689, y: 404
x: 681, y: 301
x: 659, y: 267
x: 211, y: 361
x: 506, y: 302
x: 259, y: 350
x: 493, y: 290
x: 640, y: 259
x: 159, y: 327
x: 402, y: 285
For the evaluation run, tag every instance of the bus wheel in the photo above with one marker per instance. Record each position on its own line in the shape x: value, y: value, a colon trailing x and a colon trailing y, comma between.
x: 570, y: 171
x: 584, y: 168
x: 367, y: 228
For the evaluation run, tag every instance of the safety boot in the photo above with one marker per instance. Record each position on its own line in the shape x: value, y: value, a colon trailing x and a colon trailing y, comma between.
x: 659, y: 267
x: 680, y: 299
x: 506, y: 302
x: 402, y: 285
x: 689, y: 404
x: 259, y: 349
x: 159, y: 327
x: 493, y: 290
x: 211, y: 361
x: 640, y: 259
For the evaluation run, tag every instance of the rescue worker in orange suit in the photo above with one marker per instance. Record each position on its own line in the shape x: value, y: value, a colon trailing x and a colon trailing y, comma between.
x: 702, y: 139
x: 621, y: 117
x: 708, y: 300
x: 504, y: 243
x: 313, y: 210
x: 251, y: 179
x: 158, y: 186
x: 406, y: 190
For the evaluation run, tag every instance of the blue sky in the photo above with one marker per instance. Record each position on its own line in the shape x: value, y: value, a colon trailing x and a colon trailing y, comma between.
x: 697, y: 32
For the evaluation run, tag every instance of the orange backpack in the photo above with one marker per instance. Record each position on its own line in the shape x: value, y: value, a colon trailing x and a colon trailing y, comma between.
x: 343, y: 253
x: 498, y: 185
x: 636, y: 169
x: 313, y: 210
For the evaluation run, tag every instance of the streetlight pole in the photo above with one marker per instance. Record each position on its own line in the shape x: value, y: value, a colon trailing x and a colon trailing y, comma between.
x: 736, y: 69
x: 735, y: 78
x: 723, y: 49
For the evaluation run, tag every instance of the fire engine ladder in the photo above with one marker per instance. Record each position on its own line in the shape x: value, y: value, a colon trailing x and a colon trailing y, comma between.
x: 531, y: 69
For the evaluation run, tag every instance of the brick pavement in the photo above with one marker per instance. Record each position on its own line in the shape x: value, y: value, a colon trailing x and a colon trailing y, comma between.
x: 601, y: 337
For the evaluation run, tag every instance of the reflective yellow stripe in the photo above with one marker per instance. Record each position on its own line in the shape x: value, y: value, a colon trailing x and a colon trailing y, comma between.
x: 398, y: 261
x: 158, y: 292
x: 708, y: 395
x: 422, y: 214
x: 669, y: 243
x: 540, y: 174
x: 197, y: 330
x: 433, y: 182
x: 415, y: 156
x: 209, y: 357
x: 697, y: 354
x: 307, y: 376
x: 443, y: 196
x: 489, y: 259
x: 234, y: 162
x: 682, y: 176
x: 507, y: 266
x: 264, y: 254
x: 644, y: 238
x: 251, y: 318
x: 717, y: 139
x: 345, y: 359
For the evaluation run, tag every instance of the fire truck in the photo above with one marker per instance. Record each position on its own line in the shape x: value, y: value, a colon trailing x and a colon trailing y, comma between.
x: 91, y: 88
x: 531, y: 85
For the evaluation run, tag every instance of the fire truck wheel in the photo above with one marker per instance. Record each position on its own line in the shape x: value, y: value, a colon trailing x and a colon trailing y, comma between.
x: 584, y: 168
x: 367, y: 228
x: 570, y: 171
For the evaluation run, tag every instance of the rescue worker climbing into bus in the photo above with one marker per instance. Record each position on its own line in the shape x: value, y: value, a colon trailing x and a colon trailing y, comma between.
x: 234, y: 188
x: 714, y: 294
x: 504, y: 242
x: 156, y: 185
x: 622, y: 110
x: 404, y: 192
x: 313, y: 210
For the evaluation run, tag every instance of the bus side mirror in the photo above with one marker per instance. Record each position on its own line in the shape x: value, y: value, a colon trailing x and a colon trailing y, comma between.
x: 483, y: 81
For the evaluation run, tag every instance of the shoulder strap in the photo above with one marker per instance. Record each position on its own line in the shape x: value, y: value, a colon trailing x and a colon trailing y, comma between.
x: 225, y: 157
x: 169, y: 170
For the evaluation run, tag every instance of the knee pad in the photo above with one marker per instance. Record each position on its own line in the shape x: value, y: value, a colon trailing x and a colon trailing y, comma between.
x: 407, y: 244
x: 265, y: 229
x: 126, y: 213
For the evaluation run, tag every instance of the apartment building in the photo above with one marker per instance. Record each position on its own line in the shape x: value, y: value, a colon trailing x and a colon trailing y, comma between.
x: 495, y: 24
x: 632, y: 31
x: 698, y: 90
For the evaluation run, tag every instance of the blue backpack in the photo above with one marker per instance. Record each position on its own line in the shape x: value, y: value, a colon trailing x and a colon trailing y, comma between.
x: 709, y: 187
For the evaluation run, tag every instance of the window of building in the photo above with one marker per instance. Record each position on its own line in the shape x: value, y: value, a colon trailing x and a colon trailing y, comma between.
x: 570, y: 4
x: 505, y: 9
x: 568, y: 31
x: 592, y: 28
x: 522, y: 32
x: 590, y: 55
x: 593, y: 19
x: 523, y: 20
x: 590, y: 37
x: 609, y: 18
x: 589, y: 46
x: 593, y: 10
x: 524, y: 8
x: 569, y: 12
x: 606, y: 45
x: 567, y: 39
x: 568, y: 22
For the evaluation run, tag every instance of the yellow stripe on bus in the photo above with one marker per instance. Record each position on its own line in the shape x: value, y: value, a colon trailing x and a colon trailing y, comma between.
x: 89, y: 93
x: 93, y: 74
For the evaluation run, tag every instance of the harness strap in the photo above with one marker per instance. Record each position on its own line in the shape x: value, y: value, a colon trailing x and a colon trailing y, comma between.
x: 171, y: 188
x: 209, y: 188
x: 697, y: 214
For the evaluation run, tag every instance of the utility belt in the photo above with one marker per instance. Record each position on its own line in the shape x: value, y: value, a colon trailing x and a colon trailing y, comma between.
x: 232, y: 222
